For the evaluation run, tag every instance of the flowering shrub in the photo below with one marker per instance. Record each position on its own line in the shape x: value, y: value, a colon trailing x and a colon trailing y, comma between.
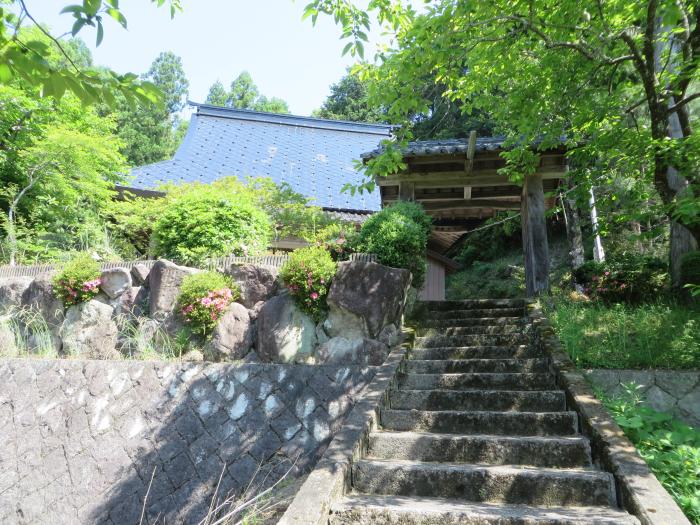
x: 79, y: 280
x: 623, y: 279
x: 308, y: 274
x: 203, y: 299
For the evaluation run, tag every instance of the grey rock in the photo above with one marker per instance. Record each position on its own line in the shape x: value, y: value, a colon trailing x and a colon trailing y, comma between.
x: 115, y: 282
x: 676, y: 382
x: 321, y: 335
x: 89, y: 331
x: 364, y: 298
x: 257, y: 283
x: 389, y: 335
x: 255, y: 310
x: 11, y: 290
x: 164, y: 282
x: 139, y: 274
x: 285, y: 333
x: 340, y: 350
x: 8, y: 345
x: 130, y: 303
x: 232, y: 338
x: 659, y: 400
x: 690, y: 403
x: 39, y: 298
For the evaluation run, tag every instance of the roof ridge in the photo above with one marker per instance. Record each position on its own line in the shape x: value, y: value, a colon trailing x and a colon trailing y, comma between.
x: 289, y: 119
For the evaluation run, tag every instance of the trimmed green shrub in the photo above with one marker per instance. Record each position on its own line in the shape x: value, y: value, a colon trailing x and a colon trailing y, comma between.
x: 203, y: 298
x: 203, y: 224
x: 308, y: 274
x: 398, y: 235
x: 79, y: 280
x: 690, y: 268
x: 629, y: 278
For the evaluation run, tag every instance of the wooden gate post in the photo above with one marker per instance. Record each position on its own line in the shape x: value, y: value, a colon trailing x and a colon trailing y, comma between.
x: 535, y: 245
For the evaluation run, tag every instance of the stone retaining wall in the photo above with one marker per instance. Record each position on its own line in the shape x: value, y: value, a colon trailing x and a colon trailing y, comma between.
x: 81, y: 440
x: 675, y: 391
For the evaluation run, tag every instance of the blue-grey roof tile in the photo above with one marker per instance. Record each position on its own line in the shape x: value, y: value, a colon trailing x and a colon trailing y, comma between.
x: 314, y: 156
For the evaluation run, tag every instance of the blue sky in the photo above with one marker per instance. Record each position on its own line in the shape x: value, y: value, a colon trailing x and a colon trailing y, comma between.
x: 217, y: 39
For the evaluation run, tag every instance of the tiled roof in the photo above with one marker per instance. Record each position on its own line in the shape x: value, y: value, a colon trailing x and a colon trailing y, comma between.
x: 314, y: 156
x: 443, y: 147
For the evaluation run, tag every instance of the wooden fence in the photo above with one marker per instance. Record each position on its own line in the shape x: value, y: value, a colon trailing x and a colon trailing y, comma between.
x: 273, y: 261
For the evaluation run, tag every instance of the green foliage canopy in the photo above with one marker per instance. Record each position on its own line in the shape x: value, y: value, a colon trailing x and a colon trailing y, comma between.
x: 244, y: 94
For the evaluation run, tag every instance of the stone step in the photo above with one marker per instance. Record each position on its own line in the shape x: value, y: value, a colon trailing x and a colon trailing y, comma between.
x: 474, y: 313
x: 433, y: 366
x: 480, y: 483
x: 476, y: 321
x: 472, y: 340
x: 559, y: 452
x: 479, y: 400
x: 504, y: 381
x: 507, y: 329
x: 474, y: 303
x: 370, y: 509
x: 441, y: 353
x: 481, y: 422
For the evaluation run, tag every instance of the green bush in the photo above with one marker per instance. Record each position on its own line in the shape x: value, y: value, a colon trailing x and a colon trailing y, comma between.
x: 308, y: 274
x: 398, y: 235
x: 78, y: 281
x: 203, y: 298
x: 671, y: 448
x: 690, y: 268
x: 630, y: 278
x: 203, y: 224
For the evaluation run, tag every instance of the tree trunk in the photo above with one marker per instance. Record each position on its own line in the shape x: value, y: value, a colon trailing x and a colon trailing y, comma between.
x: 535, y: 245
x: 572, y: 219
x: 598, y: 251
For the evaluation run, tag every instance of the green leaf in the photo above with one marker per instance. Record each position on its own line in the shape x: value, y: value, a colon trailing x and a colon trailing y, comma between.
x: 78, y: 25
x: 5, y: 73
x: 347, y: 48
x: 75, y: 9
x: 118, y: 16
x: 100, y: 33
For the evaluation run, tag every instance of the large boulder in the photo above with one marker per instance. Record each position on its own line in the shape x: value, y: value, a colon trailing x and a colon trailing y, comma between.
x: 285, y: 333
x: 131, y: 303
x: 340, y: 350
x: 364, y: 298
x: 164, y: 282
x: 139, y: 274
x: 43, y: 312
x: 11, y: 290
x: 90, y: 332
x: 256, y: 283
x: 232, y: 338
x: 115, y: 282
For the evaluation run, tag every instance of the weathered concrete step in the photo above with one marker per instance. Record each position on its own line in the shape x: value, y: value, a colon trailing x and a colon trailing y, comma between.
x: 474, y: 303
x: 476, y: 321
x: 472, y: 340
x: 477, y: 352
x: 371, y: 509
x: 508, y: 329
x: 479, y: 400
x: 474, y: 313
x: 500, y: 483
x: 434, y: 366
x: 559, y: 452
x: 481, y: 422
x: 505, y: 381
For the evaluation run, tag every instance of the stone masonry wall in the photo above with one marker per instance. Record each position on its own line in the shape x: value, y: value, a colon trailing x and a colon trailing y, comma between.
x: 80, y: 440
x: 674, y: 391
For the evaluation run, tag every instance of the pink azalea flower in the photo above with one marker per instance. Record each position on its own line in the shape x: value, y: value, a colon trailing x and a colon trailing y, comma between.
x: 314, y: 295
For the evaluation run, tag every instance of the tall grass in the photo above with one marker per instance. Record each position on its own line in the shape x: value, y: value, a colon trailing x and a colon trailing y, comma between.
x: 655, y: 335
x: 24, y: 331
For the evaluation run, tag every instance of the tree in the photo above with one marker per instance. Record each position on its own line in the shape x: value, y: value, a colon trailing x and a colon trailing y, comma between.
x: 168, y: 75
x: 151, y: 131
x: 609, y: 76
x: 244, y: 94
x: 349, y: 101
x: 217, y: 94
x: 25, y: 58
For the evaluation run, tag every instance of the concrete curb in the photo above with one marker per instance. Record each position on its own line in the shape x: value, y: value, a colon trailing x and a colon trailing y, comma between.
x: 331, y: 476
x: 639, y: 492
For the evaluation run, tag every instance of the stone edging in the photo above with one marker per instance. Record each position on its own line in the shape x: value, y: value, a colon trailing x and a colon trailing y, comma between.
x: 331, y: 476
x: 639, y: 492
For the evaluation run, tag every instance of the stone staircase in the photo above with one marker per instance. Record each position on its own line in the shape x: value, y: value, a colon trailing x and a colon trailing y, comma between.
x: 476, y: 432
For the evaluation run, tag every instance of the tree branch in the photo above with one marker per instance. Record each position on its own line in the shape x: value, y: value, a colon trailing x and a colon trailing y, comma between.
x: 55, y: 41
x: 675, y: 107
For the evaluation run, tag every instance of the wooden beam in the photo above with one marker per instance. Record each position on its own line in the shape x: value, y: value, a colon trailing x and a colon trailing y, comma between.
x: 467, y: 192
x: 535, y: 245
x: 460, y: 204
x: 471, y: 152
x: 449, y: 179
x: 407, y: 191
